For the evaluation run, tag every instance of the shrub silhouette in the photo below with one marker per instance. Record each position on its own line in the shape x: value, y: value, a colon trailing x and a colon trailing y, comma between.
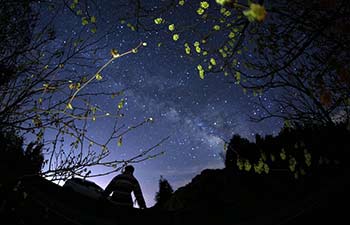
x: 165, y: 192
x: 301, y: 150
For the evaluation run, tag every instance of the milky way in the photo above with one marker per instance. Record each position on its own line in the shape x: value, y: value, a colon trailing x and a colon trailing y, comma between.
x: 198, y: 115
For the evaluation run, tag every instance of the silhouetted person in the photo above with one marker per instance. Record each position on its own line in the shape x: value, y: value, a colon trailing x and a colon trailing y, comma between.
x: 122, y: 186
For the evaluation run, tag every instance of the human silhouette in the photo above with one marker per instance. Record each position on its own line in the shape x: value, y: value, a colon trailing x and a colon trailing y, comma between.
x: 122, y: 185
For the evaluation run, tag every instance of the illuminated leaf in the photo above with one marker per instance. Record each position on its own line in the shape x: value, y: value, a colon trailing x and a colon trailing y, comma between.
x: 176, y: 37
x: 69, y: 106
x: 93, y: 30
x: 216, y: 27
x: 247, y: 166
x: 223, y: 2
x: 144, y: 44
x: 114, y: 53
x: 198, y: 49
x: 238, y: 77
x: 84, y: 21
x: 121, y: 103
x: 213, y: 61
x: 120, y: 141
x: 158, y: 20
x: 231, y: 35
x: 283, y: 154
x: 201, y: 71
x: 171, y: 27
x: 227, y: 13
x: 240, y: 164
x: 200, y: 11
x: 204, y: 4
x: 98, y: 76
x: 181, y: 2
x: 255, y: 12
x: 266, y: 168
x: 131, y: 26
x: 272, y: 158
x: 296, y: 175
x: 93, y: 19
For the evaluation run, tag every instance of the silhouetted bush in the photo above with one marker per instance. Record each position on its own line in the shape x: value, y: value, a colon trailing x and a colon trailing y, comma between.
x: 301, y: 150
x: 165, y: 192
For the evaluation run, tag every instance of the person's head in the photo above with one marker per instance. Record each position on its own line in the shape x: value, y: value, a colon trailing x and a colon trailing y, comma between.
x: 129, y: 169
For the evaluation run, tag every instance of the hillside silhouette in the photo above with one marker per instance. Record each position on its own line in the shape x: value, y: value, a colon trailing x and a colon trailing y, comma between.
x: 244, y: 192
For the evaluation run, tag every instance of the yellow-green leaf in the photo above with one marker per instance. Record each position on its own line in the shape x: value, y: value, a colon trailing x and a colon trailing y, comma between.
x: 69, y: 106
x: 223, y: 2
x: 93, y: 30
x: 213, y: 61
x: 158, y: 20
x: 171, y: 27
x: 84, y: 21
x: 98, y: 76
x: 256, y: 12
x: 216, y: 27
x: 114, y: 53
x: 93, y: 19
x: 120, y: 141
x: 204, y: 4
x: 201, y: 71
x: 121, y: 104
x: 200, y: 11
x: 187, y: 50
x: 176, y: 37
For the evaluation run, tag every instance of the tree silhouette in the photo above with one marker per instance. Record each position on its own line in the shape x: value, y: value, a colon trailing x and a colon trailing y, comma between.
x: 17, y: 162
x: 297, y: 50
x: 41, y: 94
x: 165, y: 192
x: 299, y: 151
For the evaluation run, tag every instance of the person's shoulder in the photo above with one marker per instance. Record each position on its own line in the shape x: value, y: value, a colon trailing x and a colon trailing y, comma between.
x: 118, y: 176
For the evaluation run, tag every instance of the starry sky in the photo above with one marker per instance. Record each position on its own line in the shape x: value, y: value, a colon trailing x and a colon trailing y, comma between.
x: 163, y: 83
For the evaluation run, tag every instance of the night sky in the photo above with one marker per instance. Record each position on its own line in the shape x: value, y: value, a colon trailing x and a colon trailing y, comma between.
x: 164, y: 84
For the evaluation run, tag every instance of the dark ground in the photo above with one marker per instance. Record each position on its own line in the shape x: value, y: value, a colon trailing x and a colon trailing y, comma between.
x: 48, y: 203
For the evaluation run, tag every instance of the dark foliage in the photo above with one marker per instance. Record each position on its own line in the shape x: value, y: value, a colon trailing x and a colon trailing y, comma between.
x: 302, y: 150
x: 16, y: 24
x: 165, y: 192
x: 16, y: 165
x: 17, y: 162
